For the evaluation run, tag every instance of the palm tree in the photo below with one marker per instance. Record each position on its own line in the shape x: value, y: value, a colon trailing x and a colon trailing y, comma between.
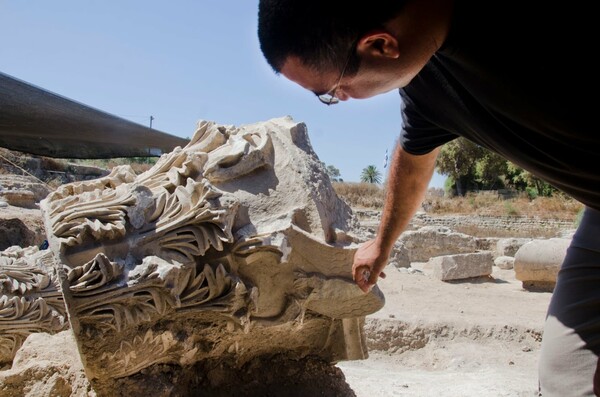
x: 370, y: 174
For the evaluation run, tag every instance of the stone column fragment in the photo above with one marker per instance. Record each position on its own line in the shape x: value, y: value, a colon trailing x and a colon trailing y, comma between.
x: 225, y: 250
x: 537, y: 263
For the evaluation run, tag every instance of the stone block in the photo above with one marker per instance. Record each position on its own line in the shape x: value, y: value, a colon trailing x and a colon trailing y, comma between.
x: 431, y: 241
x: 504, y: 262
x: 510, y: 246
x: 19, y: 198
x: 462, y: 266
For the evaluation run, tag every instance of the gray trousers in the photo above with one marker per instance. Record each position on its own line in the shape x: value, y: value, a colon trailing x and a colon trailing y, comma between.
x: 569, y: 365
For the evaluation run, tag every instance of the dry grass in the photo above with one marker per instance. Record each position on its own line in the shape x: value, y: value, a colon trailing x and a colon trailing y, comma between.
x: 558, y: 207
x: 360, y: 195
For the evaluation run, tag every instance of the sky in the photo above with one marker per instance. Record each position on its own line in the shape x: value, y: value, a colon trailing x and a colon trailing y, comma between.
x: 182, y: 61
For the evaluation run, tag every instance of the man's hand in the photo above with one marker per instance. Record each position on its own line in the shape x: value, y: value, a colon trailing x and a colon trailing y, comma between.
x: 369, y: 261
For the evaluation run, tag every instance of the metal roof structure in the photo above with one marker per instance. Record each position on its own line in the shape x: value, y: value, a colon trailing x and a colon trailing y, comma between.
x: 37, y: 121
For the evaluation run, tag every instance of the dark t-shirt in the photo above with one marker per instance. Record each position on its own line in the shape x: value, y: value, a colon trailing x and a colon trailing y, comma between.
x: 520, y: 82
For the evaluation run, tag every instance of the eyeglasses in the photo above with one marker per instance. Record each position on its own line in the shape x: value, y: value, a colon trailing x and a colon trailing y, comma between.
x: 329, y: 97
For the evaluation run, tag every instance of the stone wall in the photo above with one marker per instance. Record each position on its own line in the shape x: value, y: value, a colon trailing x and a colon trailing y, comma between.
x: 370, y: 218
x: 491, y: 222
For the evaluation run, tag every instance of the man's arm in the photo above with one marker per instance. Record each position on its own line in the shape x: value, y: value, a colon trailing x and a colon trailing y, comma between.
x: 407, y: 184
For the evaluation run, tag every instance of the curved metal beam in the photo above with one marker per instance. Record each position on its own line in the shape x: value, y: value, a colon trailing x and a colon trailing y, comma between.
x: 36, y: 121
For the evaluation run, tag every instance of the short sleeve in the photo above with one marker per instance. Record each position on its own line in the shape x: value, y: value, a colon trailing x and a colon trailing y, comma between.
x: 420, y: 136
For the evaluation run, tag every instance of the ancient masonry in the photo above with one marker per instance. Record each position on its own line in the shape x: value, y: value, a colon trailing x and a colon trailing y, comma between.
x: 230, y: 248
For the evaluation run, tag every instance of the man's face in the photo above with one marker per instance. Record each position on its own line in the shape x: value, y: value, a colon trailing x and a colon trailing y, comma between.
x: 364, y: 84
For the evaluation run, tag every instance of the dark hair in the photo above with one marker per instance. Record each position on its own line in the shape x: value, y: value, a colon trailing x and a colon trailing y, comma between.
x: 320, y: 32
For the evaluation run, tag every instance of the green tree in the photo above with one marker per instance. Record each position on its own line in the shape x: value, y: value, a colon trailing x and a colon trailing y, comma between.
x: 370, y: 174
x: 333, y: 172
x: 519, y: 179
x: 490, y: 170
x: 471, y: 167
x: 457, y: 161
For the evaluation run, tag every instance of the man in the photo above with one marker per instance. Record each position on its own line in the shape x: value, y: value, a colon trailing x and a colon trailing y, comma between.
x: 509, y: 77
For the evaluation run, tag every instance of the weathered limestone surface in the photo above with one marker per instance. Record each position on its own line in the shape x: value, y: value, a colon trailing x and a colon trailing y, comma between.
x: 510, y: 246
x: 230, y: 249
x: 19, y: 198
x: 20, y: 220
x: 537, y: 263
x: 462, y: 266
x: 431, y: 241
x: 47, y: 365
x: 505, y: 262
x: 22, y: 190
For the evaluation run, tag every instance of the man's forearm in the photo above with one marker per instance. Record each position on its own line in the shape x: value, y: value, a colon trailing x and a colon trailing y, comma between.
x: 406, y: 186
x: 407, y: 183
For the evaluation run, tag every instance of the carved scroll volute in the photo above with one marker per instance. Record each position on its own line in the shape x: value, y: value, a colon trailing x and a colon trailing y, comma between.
x: 243, y: 154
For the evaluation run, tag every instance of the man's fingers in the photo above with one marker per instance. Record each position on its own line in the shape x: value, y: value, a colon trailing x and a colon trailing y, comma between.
x: 374, y: 276
x: 358, y: 273
x: 365, y: 278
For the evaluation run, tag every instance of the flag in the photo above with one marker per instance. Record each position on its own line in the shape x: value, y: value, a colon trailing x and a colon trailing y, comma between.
x: 385, y: 161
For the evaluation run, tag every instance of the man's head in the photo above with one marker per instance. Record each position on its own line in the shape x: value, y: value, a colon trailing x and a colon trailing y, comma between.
x: 321, y: 37
x: 319, y: 32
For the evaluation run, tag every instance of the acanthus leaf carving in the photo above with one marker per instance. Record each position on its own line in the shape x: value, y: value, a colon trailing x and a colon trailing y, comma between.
x: 174, y: 168
x: 189, y: 221
x: 154, y: 288
x: 30, y: 299
x: 138, y: 353
x: 99, y: 213
x: 119, y: 310
x: 209, y: 289
x: 10, y: 343
x: 202, y: 249
x: 118, y: 176
x: 21, y: 278
x: 28, y: 313
x: 93, y: 275
x: 243, y: 153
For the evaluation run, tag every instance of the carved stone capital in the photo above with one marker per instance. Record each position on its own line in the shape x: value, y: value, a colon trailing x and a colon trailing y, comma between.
x: 227, y: 249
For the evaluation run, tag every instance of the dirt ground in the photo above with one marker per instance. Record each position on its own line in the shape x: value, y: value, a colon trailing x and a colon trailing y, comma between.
x: 479, y: 337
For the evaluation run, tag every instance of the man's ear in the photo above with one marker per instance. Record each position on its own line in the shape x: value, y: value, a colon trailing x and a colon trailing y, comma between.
x: 378, y: 43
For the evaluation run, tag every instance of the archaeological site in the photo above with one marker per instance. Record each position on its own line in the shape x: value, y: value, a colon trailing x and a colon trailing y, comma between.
x: 225, y: 270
